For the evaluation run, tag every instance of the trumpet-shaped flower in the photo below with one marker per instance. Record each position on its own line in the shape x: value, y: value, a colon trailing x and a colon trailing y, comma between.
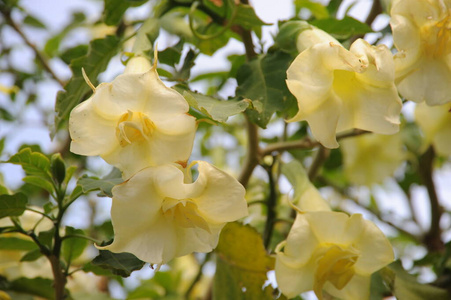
x: 337, y: 89
x: 422, y: 35
x: 435, y: 122
x: 159, y: 213
x: 133, y: 122
x: 370, y: 158
x: 331, y: 251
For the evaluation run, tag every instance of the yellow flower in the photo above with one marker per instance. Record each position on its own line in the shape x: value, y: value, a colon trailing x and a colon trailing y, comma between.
x: 331, y: 251
x: 159, y: 213
x: 371, y: 158
x: 133, y: 122
x: 435, y: 122
x: 422, y: 35
x: 310, y: 36
x: 339, y: 89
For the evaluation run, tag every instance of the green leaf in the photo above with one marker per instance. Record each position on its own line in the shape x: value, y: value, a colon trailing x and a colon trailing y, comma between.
x: 15, y: 243
x: 73, y: 247
x: 94, y: 62
x: 318, y: 10
x: 242, y: 264
x: 58, y: 168
x: 46, y: 237
x: 12, y: 205
x: 146, y: 36
x: 171, y: 55
x: 218, y: 110
x: 32, y: 255
x: 72, y: 53
x: 33, y: 163
x: 263, y: 80
x: 115, y: 9
x: 34, y: 22
x: 406, y: 287
x: 342, y: 29
x: 297, y: 176
x: 248, y: 19
x: 41, y: 287
x: 39, y: 182
x: 105, y: 185
x: 288, y: 35
x: 122, y: 264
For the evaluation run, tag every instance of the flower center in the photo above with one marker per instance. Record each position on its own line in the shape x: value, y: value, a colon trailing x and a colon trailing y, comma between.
x: 437, y: 37
x: 183, y: 213
x: 345, y: 83
x: 133, y: 127
x: 336, y: 265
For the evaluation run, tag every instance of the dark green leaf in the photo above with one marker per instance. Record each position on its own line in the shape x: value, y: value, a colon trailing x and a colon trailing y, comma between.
x: 122, y: 264
x: 218, y: 110
x: 342, y: 29
x: 12, y: 205
x: 32, y: 21
x: 31, y: 255
x: 171, y: 55
x: 263, y: 80
x: 15, y: 243
x: 58, y: 168
x: 247, y: 18
x: 72, y: 53
x: 99, y: 55
x: 242, y: 264
x: 115, y: 9
x: 288, y: 35
x: 38, y: 286
x: 73, y: 246
x: 6, y: 115
x: 46, y: 237
x: 333, y: 7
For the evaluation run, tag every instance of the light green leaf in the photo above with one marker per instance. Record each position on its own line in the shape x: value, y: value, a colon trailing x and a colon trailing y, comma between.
x: 41, y: 287
x: 105, y: 184
x: 263, y: 80
x: 32, y: 255
x: 15, y: 243
x: 99, y: 55
x: 248, y: 19
x: 406, y: 287
x: 39, y: 182
x: 122, y: 264
x: 297, y: 176
x: 12, y: 205
x: 33, y: 163
x: 242, y: 264
x: 218, y: 110
x: 34, y: 22
x: 146, y: 36
x: 73, y: 246
x: 342, y: 29
x: 318, y: 10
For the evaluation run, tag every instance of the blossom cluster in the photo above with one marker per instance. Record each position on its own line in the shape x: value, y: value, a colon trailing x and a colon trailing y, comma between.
x: 143, y: 128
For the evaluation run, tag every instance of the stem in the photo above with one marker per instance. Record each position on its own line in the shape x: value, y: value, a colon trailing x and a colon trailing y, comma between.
x: 271, y: 203
x: 305, y: 143
x: 197, y: 277
x: 43, y: 60
x: 432, y: 239
x: 252, y: 154
x: 376, y: 9
x: 321, y: 157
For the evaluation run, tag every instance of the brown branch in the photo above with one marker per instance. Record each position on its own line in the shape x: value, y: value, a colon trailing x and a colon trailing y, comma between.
x: 305, y: 143
x: 43, y: 60
x: 376, y: 9
x: 432, y: 239
x: 320, y: 159
x: 252, y: 155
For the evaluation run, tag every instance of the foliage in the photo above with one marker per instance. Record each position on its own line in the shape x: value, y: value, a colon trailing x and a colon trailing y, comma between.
x: 53, y: 221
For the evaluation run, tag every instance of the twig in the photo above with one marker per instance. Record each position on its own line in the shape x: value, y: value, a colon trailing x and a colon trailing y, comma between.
x: 271, y: 203
x: 197, y: 277
x: 376, y: 9
x: 321, y: 157
x: 252, y: 155
x: 305, y: 143
x: 432, y: 239
x: 7, y: 14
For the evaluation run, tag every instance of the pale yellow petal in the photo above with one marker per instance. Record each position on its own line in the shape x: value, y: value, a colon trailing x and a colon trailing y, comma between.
x: 356, y: 289
x: 293, y: 281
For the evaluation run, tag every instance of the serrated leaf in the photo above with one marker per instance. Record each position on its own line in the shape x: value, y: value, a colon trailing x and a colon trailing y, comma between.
x: 12, y: 205
x: 15, y: 243
x: 105, y: 185
x: 94, y: 62
x: 31, y: 255
x: 122, y: 264
x: 218, y: 110
x: 242, y: 264
x: 342, y: 29
x: 263, y: 80
x: 73, y: 246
